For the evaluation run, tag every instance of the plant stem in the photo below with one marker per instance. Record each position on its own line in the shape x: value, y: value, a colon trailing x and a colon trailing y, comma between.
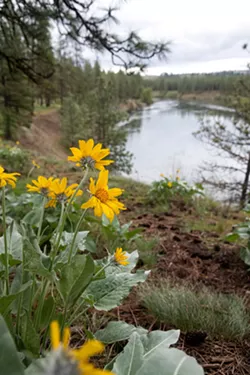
x: 100, y: 271
x: 6, y: 253
x: 75, y: 234
x: 58, y: 234
x: 41, y: 221
x: 77, y: 189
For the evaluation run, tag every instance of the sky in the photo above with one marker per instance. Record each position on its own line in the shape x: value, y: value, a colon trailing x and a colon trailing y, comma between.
x: 205, y: 36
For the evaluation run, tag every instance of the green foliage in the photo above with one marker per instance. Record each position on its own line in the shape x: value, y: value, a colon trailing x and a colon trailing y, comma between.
x: 193, y: 83
x: 144, y: 352
x: 179, y: 306
x: 168, y: 190
x: 241, y: 233
x: 58, y: 262
x: 147, y: 96
x: 147, y: 352
x: 14, y: 159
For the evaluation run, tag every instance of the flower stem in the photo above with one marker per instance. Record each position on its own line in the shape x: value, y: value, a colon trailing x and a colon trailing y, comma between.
x: 58, y: 233
x: 31, y: 170
x: 41, y: 221
x: 75, y: 235
x: 77, y: 189
x: 5, y: 243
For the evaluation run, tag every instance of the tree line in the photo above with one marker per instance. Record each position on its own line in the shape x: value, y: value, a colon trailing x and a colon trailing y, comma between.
x: 195, y: 83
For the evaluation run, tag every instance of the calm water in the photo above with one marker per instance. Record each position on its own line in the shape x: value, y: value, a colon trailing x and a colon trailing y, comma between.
x: 162, y: 141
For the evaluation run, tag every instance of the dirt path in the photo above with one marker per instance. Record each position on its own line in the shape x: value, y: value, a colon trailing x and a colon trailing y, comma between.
x: 44, y: 136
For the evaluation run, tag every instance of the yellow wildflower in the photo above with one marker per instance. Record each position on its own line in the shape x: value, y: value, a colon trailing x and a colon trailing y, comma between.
x: 40, y: 186
x: 103, y: 199
x: 60, y: 192
x: 170, y: 184
x: 177, y: 178
x: 88, y: 155
x: 81, y: 356
x: 162, y: 175
x: 35, y: 164
x: 17, y: 143
x: 7, y: 178
x: 121, y: 257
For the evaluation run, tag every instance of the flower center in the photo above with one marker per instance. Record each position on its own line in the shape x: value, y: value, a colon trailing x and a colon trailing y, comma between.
x: 102, y: 195
x: 88, y: 161
x: 44, y: 191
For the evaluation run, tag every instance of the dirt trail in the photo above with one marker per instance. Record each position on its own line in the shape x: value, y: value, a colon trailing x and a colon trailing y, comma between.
x: 44, y: 136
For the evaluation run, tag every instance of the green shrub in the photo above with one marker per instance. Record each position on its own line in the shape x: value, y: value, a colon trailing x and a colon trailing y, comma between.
x: 14, y: 159
x: 168, y: 190
x: 179, y: 306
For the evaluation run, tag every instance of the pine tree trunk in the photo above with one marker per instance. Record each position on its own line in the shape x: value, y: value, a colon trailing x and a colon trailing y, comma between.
x: 245, y: 184
x: 7, y: 119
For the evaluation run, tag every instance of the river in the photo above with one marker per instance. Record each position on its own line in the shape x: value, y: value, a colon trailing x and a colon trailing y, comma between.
x: 162, y: 141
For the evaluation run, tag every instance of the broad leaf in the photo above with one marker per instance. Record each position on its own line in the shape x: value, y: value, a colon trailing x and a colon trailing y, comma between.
x: 118, y: 331
x: 131, y: 359
x: 65, y: 246
x: 29, y: 335
x: 159, y: 339
x: 132, y: 259
x: 6, y: 301
x: 10, y: 363
x: 33, y: 217
x: 245, y: 255
x: 76, y: 277
x: 109, y: 293
x: 170, y: 362
x: 48, y: 312
x: 15, y: 246
x: 34, y: 260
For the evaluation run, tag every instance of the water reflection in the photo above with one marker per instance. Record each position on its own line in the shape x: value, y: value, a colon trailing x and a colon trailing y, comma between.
x: 133, y: 125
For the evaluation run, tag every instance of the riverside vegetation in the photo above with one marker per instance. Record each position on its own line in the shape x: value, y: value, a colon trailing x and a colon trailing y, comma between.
x: 49, y: 271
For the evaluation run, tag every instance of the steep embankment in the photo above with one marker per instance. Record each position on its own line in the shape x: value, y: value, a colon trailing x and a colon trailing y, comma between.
x: 44, y: 135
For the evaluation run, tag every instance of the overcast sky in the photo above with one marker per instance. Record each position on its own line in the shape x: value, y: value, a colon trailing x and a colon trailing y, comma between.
x: 205, y: 35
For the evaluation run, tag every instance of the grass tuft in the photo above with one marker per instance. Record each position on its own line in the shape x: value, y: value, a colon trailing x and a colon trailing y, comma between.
x: 217, y: 314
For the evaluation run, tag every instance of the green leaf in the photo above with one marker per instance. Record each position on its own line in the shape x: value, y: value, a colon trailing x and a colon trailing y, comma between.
x: 6, y: 301
x: 132, y: 259
x: 245, y: 255
x: 90, y: 245
x: 65, y: 243
x: 34, y: 261
x: 10, y: 363
x: 15, y: 246
x: 131, y: 359
x: 159, y: 340
x: 30, y: 337
x: 48, y: 312
x: 109, y: 293
x: 33, y: 217
x: 118, y: 331
x: 232, y: 237
x: 170, y: 362
x: 76, y: 277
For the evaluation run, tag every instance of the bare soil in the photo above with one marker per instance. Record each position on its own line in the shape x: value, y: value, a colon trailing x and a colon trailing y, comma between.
x: 198, y: 259
x: 44, y: 136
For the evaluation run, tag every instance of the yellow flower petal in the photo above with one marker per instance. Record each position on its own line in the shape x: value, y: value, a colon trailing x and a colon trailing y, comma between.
x: 55, y: 335
x: 102, y: 181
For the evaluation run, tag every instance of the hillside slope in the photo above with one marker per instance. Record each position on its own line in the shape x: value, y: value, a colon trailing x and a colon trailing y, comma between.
x: 44, y: 136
